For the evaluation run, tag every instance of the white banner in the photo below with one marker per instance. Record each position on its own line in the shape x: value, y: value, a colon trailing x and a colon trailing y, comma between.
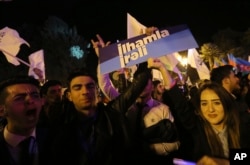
x: 10, y: 42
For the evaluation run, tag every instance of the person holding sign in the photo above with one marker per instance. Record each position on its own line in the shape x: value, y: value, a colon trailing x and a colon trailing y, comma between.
x: 156, y: 138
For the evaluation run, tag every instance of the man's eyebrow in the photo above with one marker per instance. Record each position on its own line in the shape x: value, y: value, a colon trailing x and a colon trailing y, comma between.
x: 25, y: 93
x: 76, y: 85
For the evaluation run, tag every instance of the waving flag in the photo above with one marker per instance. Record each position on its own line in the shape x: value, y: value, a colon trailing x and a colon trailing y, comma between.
x: 134, y: 28
x: 216, y: 64
x: 171, y: 61
x: 196, y: 62
x: 239, y: 63
x: 219, y: 62
x: 10, y: 42
x: 37, y: 67
x: 232, y: 60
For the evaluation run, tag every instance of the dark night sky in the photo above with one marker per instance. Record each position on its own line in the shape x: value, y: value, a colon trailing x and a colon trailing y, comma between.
x: 204, y: 17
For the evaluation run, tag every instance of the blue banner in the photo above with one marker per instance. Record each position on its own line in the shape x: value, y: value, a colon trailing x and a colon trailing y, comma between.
x: 243, y: 65
x: 138, y: 49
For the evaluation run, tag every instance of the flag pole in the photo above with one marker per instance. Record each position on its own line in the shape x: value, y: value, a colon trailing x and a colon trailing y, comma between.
x: 20, y: 60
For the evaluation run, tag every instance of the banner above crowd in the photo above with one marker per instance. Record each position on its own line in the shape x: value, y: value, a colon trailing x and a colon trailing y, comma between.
x: 138, y: 49
x: 240, y: 64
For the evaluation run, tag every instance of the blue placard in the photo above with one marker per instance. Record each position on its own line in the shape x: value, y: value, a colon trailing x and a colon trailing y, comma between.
x: 138, y: 49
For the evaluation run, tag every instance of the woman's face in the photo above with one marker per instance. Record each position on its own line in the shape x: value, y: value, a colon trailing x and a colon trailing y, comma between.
x: 212, y: 109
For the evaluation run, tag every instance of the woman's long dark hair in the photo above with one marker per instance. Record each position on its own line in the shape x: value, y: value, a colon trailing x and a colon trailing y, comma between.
x: 231, y: 119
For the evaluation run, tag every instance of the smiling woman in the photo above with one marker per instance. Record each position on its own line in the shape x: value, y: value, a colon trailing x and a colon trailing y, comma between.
x: 214, y: 125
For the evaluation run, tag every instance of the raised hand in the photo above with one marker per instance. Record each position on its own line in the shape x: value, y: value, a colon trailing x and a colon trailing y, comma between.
x: 99, y: 44
x: 150, y: 30
x: 155, y: 63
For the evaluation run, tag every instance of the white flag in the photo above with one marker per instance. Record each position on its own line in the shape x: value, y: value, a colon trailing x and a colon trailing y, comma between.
x: 171, y: 61
x: 36, y: 60
x: 134, y: 27
x: 196, y: 62
x: 10, y: 42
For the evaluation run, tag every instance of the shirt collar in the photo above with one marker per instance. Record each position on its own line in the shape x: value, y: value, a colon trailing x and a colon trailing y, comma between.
x: 15, y: 139
x: 224, y: 131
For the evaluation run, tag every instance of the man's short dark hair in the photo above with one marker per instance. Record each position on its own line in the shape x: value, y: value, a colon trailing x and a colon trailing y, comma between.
x: 219, y: 73
x: 81, y: 72
x: 17, y: 80
x: 49, y: 83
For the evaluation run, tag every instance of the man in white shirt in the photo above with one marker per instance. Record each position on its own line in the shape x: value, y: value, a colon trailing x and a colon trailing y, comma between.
x: 21, y: 103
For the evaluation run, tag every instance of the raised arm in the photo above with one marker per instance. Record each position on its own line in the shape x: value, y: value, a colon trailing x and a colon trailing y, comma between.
x: 156, y: 63
x: 180, y: 107
x: 104, y: 81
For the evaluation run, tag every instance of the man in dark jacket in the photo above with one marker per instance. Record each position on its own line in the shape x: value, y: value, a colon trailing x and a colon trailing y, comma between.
x: 94, y: 133
x: 21, y: 103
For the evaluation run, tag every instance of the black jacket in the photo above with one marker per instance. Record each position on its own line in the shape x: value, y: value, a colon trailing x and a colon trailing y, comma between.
x: 42, y: 143
x: 103, y: 139
x: 184, y: 113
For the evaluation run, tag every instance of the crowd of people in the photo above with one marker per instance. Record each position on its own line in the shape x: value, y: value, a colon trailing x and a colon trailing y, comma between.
x: 143, y: 121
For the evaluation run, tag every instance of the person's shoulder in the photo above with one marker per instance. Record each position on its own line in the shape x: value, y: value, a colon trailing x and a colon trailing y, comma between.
x: 159, y: 105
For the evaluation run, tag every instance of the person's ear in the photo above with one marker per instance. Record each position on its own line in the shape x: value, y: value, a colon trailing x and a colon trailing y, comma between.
x: 3, y: 112
x: 226, y: 80
x: 69, y: 96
